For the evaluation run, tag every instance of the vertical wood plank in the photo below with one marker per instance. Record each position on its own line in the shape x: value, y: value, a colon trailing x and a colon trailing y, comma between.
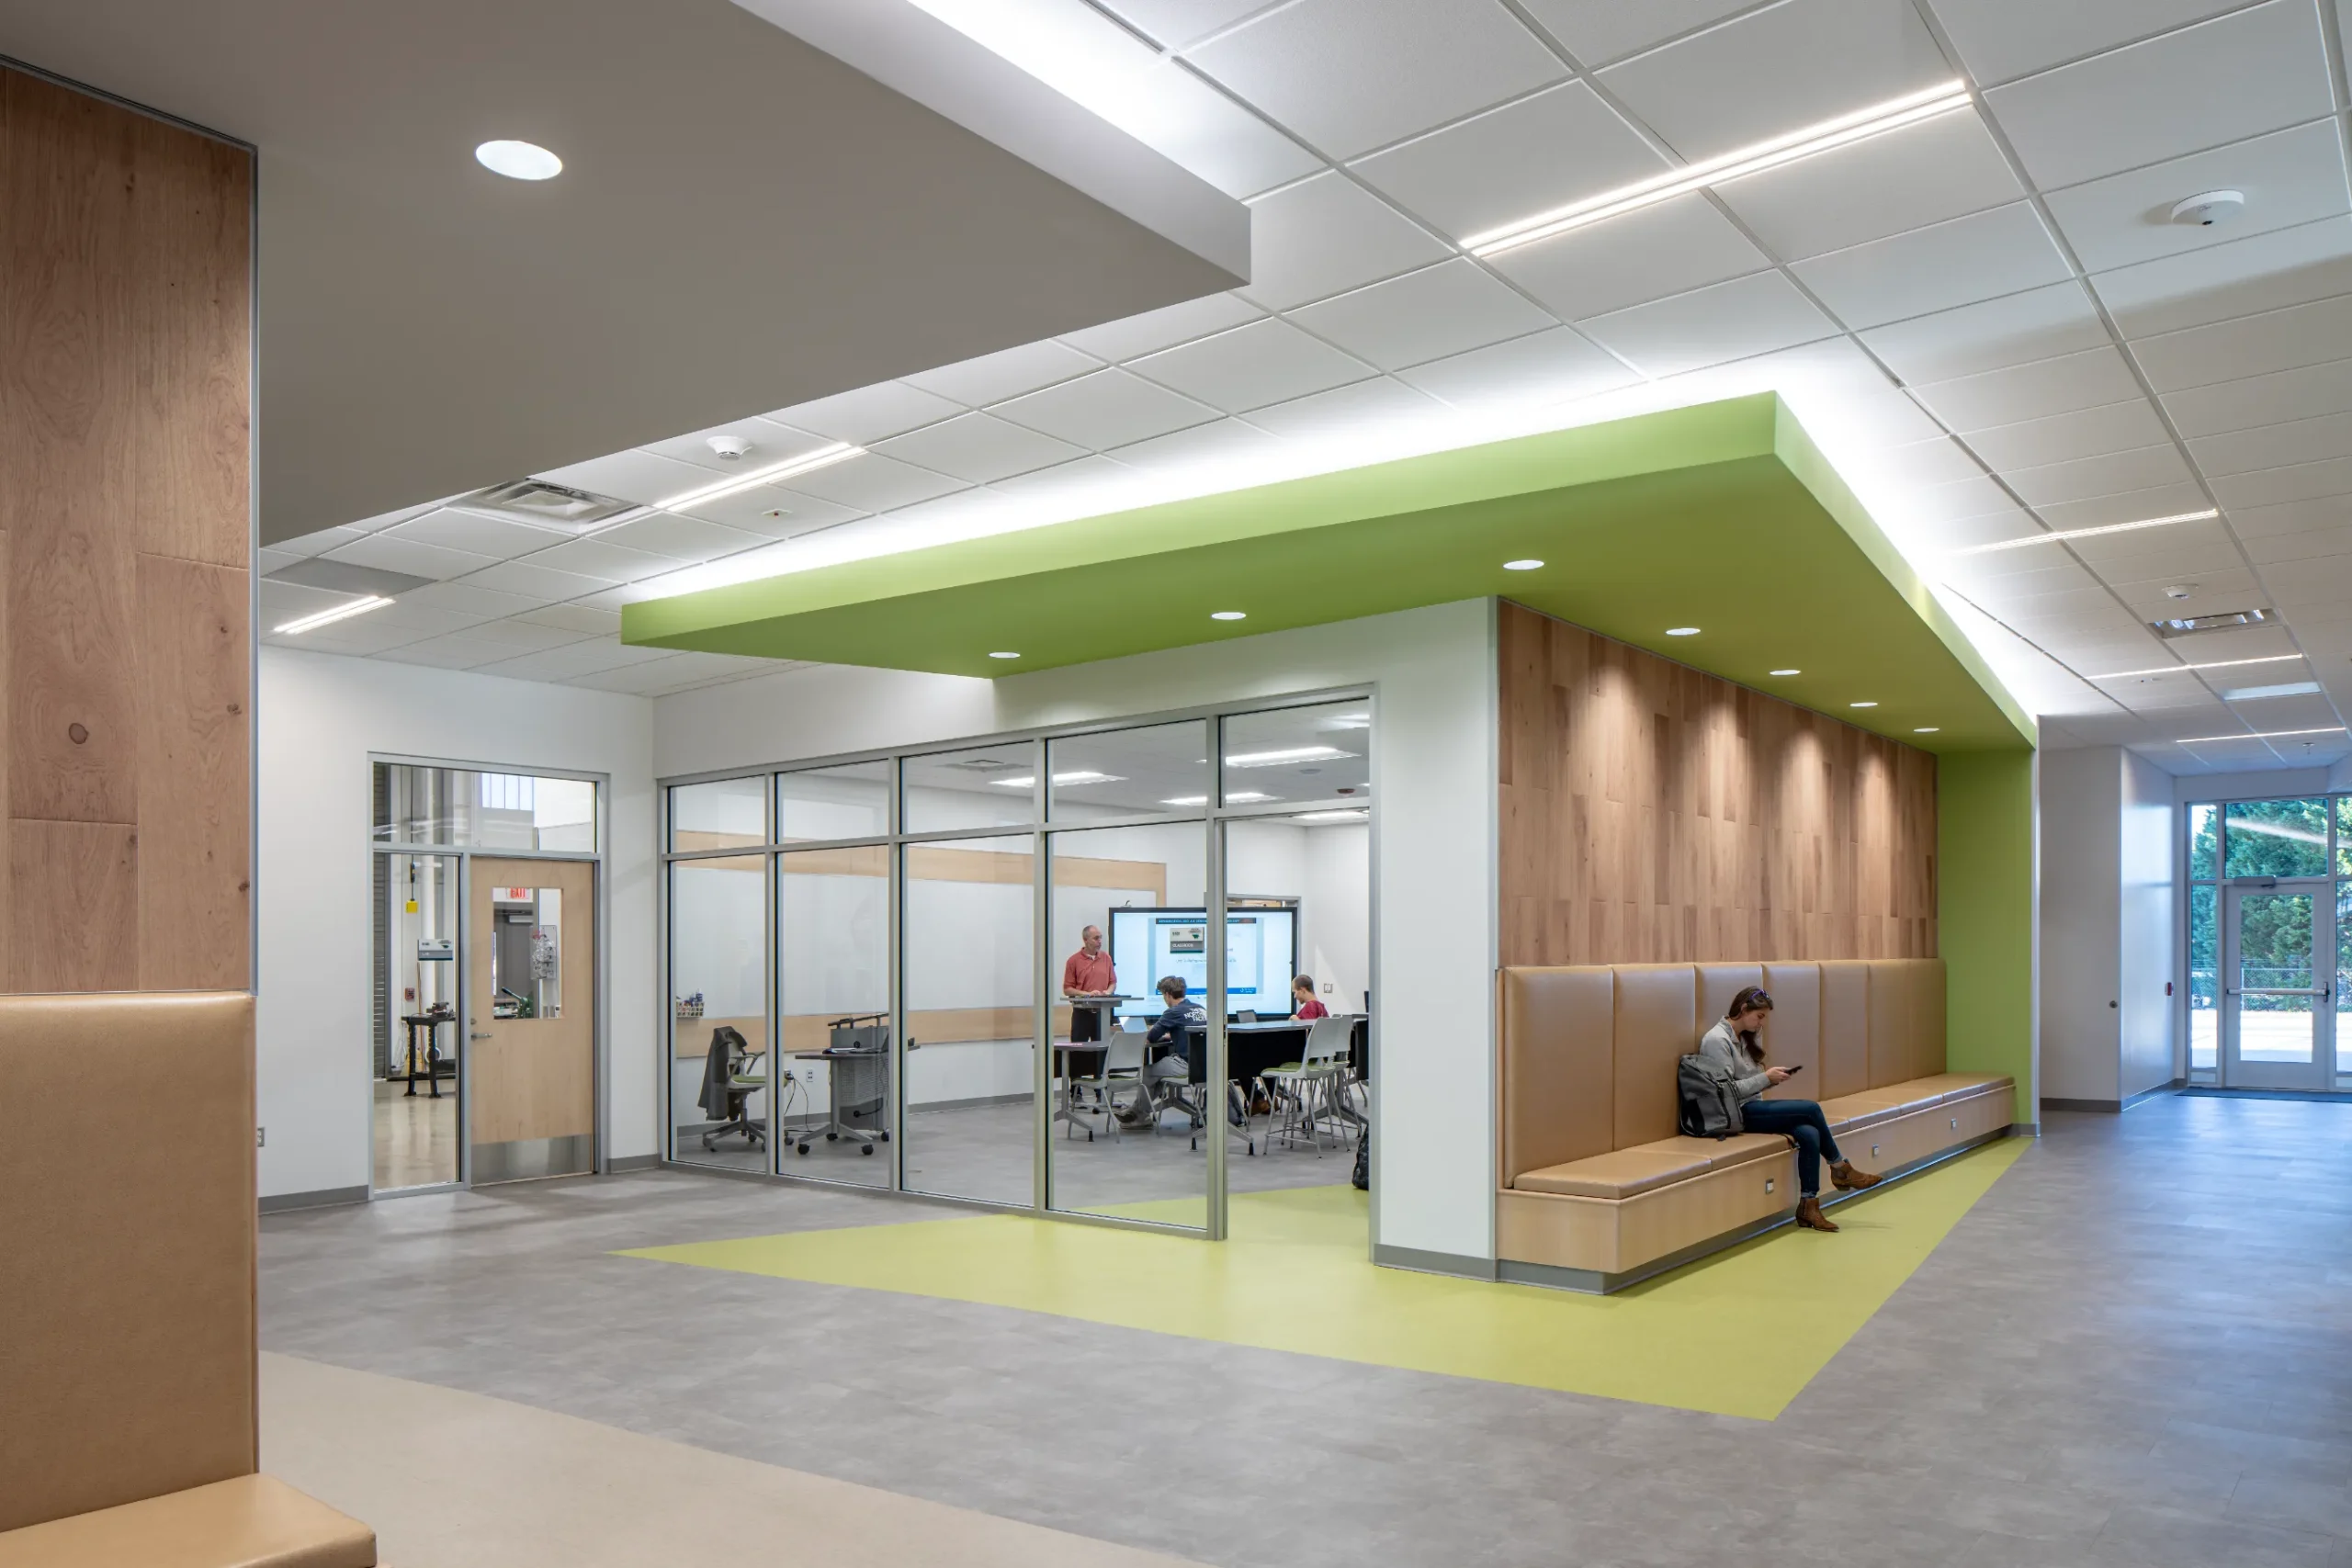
x: 195, y: 896
x: 73, y: 922
x: 1652, y: 813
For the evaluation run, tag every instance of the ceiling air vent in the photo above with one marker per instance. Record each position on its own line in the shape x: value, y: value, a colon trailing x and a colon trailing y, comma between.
x: 546, y: 505
x: 2227, y: 621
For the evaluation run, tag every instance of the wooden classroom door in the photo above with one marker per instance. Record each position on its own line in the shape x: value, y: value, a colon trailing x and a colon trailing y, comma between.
x: 531, y: 1026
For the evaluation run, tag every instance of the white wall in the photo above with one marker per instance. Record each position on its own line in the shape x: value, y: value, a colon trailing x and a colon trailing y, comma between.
x: 320, y: 716
x: 2110, y: 835
x: 1433, y: 853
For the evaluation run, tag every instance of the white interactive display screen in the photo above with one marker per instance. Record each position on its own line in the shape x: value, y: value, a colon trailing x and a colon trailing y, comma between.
x: 1260, y: 956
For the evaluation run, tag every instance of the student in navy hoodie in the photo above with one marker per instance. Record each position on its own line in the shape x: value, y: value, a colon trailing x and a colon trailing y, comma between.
x: 1173, y: 1028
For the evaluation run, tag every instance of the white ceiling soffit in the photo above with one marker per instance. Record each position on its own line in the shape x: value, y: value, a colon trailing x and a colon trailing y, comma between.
x: 746, y: 219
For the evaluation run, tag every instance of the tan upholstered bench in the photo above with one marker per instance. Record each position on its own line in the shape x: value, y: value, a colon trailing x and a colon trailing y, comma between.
x: 1588, y: 1067
x: 254, y: 1521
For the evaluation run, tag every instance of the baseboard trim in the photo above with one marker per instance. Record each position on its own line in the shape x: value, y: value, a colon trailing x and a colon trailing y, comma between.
x: 325, y: 1197
x: 633, y: 1162
x: 2148, y: 1094
x: 1419, y: 1262
x: 2090, y: 1107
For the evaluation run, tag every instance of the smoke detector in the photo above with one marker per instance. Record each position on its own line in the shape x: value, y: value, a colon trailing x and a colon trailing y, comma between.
x: 729, y: 447
x: 2180, y: 591
x: 2208, y: 207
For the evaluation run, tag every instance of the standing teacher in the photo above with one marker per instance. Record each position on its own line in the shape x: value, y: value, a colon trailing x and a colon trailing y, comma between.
x: 1089, y: 973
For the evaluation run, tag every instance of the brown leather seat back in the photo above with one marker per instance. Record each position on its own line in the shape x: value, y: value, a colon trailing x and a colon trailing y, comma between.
x: 1907, y: 1031
x: 1557, y: 1082
x: 1927, y: 1019
x: 1658, y: 1020
x: 1793, y: 1037
x: 1718, y: 983
x: 127, y: 1277
x: 1845, y: 1028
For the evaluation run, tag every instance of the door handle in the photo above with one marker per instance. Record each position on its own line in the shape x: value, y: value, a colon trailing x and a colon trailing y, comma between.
x: 477, y: 1036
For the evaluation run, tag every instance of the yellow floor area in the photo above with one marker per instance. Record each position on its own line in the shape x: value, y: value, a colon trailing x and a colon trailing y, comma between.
x: 1295, y: 1276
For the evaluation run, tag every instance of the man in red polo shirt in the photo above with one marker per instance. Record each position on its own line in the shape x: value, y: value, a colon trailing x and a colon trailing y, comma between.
x: 1089, y: 973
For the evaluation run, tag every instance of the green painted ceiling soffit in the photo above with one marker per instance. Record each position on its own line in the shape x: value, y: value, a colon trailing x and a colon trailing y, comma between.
x: 1723, y: 516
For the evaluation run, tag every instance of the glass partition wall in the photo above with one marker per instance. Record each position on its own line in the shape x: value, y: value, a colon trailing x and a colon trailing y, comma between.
x: 2268, y: 930
x: 946, y: 966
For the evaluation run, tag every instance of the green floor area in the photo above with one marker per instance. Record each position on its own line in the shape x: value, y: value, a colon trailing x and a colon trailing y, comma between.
x: 1295, y: 1276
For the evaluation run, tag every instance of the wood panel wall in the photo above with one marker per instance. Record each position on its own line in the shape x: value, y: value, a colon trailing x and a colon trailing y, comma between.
x: 1651, y: 813
x: 125, y: 548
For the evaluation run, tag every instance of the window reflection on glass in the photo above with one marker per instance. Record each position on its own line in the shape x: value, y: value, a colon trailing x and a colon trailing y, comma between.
x: 726, y: 814
x: 2204, y: 842
x: 985, y: 786
x: 2204, y: 978
x: 1322, y: 752
x: 851, y: 801
x: 468, y: 809
x: 1156, y: 769
x: 527, y: 959
x: 2274, y: 838
x: 719, y: 1025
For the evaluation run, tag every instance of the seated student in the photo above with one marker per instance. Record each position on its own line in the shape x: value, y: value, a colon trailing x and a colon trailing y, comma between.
x: 1732, y: 1044
x: 1302, y: 995
x: 1174, y: 1028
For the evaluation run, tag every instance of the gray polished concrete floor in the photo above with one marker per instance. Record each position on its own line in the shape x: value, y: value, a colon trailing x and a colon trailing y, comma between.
x: 2137, y: 1350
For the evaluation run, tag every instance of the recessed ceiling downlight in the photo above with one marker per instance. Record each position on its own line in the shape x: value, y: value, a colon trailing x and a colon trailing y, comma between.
x: 518, y: 159
x: 1861, y: 705
x: 1004, y: 656
x: 1228, y: 614
x: 1788, y: 672
x: 1682, y: 631
x: 1523, y: 565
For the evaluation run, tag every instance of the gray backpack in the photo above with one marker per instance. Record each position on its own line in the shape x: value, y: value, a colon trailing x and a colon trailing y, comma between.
x: 1710, y: 1106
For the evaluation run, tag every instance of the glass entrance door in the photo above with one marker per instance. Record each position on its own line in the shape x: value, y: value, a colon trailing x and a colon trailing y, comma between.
x: 2277, y: 1017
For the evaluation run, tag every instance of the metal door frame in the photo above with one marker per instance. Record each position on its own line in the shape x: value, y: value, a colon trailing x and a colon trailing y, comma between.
x: 2319, y: 1074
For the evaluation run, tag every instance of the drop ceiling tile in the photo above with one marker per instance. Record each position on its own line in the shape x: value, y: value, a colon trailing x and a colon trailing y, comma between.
x: 2250, y: 346
x: 2286, y: 549
x: 1154, y: 329
x: 567, y: 662
x: 2085, y: 479
x: 1939, y: 460
x: 2031, y: 391
x: 1506, y: 165
x: 631, y: 476
x: 869, y: 413
x: 538, y: 582
x: 397, y: 515
x: 652, y: 678
x: 1972, y: 495
x: 522, y: 637
x: 1175, y: 23
x: 1362, y: 410
x: 1599, y: 31
x: 773, y: 512
x: 992, y: 377
x: 770, y: 442
x: 2290, y: 178
x: 578, y: 618
x: 1941, y: 168
x: 268, y: 561
x: 1350, y: 75
x: 1778, y: 70
x: 2217, y: 82
x: 2251, y: 522
x: 491, y: 538
x: 2211, y: 590
x: 600, y: 558
x: 2275, y: 446
x: 870, y: 483
x: 2004, y: 251
x: 2303, y: 481
x: 318, y: 544
x: 1265, y: 362
x: 1448, y: 308
x: 448, y: 653
x: 421, y: 621
x: 978, y: 448
x: 2003, y: 39
x: 1708, y: 326
x: 2123, y: 506
x: 1228, y: 448
x: 628, y: 594
x: 1326, y: 235
x: 1936, y: 535
x: 2280, y: 397
x: 2183, y: 549
x: 2262, y: 272
x: 1110, y: 486
x: 417, y: 559
x: 679, y: 538
x: 2087, y: 432
x: 2319, y: 581
x: 1547, y: 367
x: 283, y: 602
x: 476, y: 603
x: 1110, y: 408
x: 1647, y: 254
x: 2041, y: 323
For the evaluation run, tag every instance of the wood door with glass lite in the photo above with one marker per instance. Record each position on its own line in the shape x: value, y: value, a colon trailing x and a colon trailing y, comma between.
x: 531, y: 1029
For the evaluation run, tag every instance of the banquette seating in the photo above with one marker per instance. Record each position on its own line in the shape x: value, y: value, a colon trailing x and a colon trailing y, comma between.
x: 1599, y: 1189
x: 128, y: 1402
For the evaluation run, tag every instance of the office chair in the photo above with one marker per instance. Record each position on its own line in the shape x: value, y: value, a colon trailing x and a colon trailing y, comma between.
x: 728, y: 1069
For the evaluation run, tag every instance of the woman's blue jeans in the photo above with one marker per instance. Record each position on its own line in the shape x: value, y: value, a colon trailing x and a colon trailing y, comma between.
x: 1801, y: 1119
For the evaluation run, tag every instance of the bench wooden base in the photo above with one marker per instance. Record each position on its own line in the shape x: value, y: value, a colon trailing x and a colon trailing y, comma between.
x: 254, y: 1521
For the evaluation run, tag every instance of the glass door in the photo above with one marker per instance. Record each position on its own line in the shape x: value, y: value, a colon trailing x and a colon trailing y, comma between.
x: 2277, y: 1017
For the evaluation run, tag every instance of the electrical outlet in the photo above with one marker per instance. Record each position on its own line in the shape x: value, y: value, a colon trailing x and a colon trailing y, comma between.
x: 261, y: 1137
x: 1767, y: 1184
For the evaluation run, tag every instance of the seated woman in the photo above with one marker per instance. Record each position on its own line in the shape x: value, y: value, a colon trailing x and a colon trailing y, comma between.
x: 1732, y: 1045
x: 1302, y: 996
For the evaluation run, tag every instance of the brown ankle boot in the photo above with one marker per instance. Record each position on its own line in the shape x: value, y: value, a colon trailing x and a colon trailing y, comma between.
x: 1846, y: 1178
x: 1810, y: 1217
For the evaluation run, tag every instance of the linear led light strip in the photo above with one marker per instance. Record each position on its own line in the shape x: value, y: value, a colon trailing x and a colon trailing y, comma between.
x: 327, y: 617
x: 2216, y: 664
x: 823, y: 456
x: 2205, y: 516
x: 1893, y: 114
x: 2259, y: 735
